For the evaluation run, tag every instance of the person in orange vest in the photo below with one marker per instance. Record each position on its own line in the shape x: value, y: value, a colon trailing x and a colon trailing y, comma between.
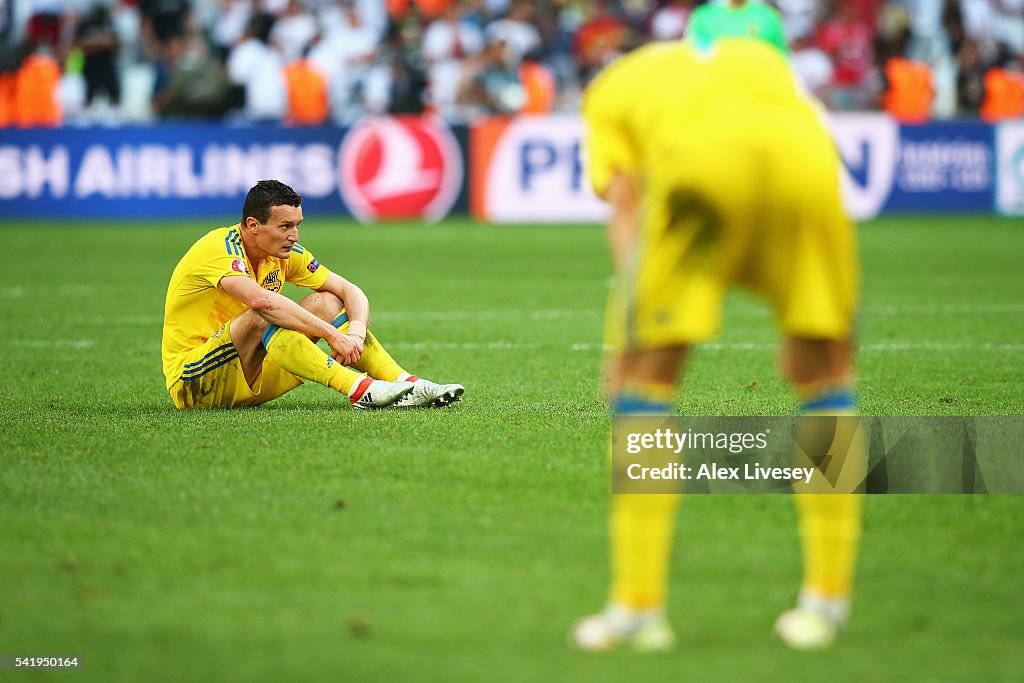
x: 1004, y: 95
x: 538, y: 86
x: 35, y: 92
x: 427, y: 9
x: 908, y: 97
x: 8, y: 80
x: 307, y: 93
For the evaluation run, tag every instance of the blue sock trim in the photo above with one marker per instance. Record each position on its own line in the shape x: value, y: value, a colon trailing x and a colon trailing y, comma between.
x: 631, y: 404
x: 841, y: 399
x: 269, y: 333
x: 340, y: 320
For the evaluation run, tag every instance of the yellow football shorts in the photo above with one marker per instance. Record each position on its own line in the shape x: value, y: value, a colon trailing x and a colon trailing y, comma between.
x: 213, y: 378
x: 759, y: 209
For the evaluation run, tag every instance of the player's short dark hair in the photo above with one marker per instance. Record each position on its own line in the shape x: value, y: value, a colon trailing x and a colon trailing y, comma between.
x: 265, y: 195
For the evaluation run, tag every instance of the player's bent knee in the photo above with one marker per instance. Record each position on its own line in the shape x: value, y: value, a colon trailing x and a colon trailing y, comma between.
x: 323, y: 305
x: 246, y: 330
x: 807, y: 360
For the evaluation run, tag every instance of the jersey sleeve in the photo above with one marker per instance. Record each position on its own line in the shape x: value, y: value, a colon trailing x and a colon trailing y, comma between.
x: 609, y: 143
x: 217, y: 259
x: 304, y: 270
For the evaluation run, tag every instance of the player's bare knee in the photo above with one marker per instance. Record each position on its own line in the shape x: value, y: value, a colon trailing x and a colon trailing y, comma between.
x: 657, y: 365
x: 323, y: 305
x: 246, y: 330
x: 811, y: 361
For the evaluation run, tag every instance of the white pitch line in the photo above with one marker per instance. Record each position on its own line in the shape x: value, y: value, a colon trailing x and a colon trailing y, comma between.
x: 580, y: 346
x: 487, y: 314
x: 944, y: 346
x: 50, y: 343
x: 729, y: 346
x: 16, y: 292
x: 125, y: 320
x: 427, y: 315
x: 466, y: 346
x: 752, y: 311
x: 945, y: 309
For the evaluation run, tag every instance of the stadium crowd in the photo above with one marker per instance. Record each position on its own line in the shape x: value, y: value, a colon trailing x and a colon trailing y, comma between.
x: 311, y: 61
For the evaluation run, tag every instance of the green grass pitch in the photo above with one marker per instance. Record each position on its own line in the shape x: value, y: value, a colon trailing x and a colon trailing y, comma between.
x: 304, y: 541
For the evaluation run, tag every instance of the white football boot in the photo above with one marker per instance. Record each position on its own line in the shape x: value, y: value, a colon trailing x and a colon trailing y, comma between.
x: 814, y: 623
x: 374, y: 394
x: 427, y: 394
x: 620, y: 628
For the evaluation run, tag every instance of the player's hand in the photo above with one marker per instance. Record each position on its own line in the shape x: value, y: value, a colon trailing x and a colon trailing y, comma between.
x: 347, y: 349
x: 358, y: 342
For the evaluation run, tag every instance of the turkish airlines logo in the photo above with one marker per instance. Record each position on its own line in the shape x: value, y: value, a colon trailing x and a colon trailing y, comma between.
x: 400, y: 168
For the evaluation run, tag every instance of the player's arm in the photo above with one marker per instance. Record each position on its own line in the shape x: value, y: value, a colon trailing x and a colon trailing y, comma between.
x: 612, y: 161
x: 612, y: 154
x: 623, y: 196
x: 279, y: 310
x: 357, y: 306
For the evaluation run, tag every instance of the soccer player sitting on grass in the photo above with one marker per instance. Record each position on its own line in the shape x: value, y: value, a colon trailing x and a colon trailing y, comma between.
x: 231, y: 339
x: 727, y: 176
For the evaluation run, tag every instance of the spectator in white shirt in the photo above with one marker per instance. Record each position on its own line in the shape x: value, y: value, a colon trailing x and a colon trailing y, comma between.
x: 669, y: 21
x: 294, y: 31
x: 447, y: 42
x: 515, y: 30
x: 254, y: 65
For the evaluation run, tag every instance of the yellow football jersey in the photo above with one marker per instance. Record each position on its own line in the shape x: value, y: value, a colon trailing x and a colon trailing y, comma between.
x: 196, y: 306
x: 641, y: 105
x: 740, y: 182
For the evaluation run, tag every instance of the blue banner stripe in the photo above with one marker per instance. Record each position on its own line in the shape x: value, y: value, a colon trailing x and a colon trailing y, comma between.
x: 214, y: 359
x: 340, y: 320
x: 226, y: 359
x: 298, y: 249
x: 268, y: 333
x: 203, y: 359
x: 838, y: 400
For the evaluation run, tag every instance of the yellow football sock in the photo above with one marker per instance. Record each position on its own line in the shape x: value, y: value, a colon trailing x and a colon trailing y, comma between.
x: 377, y: 362
x: 641, y: 525
x: 830, y: 523
x: 295, y: 353
x: 830, y: 526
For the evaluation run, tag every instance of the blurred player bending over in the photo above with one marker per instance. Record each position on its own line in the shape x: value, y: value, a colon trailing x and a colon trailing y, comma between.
x: 230, y: 339
x: 720, y: 172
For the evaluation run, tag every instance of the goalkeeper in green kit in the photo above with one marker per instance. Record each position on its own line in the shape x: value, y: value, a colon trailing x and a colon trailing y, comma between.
x: 736, y: 19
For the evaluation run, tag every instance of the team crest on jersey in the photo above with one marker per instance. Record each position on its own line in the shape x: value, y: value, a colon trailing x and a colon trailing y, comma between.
x: 272, y: 281
x: 313, y: 265
x: 238, y: 265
